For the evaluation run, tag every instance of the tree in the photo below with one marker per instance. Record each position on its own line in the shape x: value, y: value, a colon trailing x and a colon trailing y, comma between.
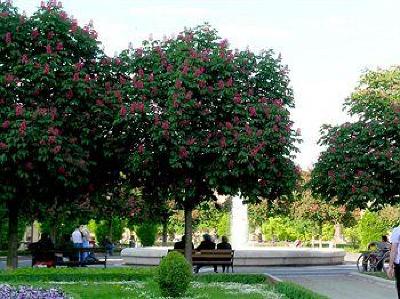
x: 360, y: 166
x: 48, y: 114
x: 211, y: 120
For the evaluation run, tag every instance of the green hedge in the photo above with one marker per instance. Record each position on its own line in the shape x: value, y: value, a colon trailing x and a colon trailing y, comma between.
x: 294, y: 291
x: 76, y: 274
x: 229, y: 277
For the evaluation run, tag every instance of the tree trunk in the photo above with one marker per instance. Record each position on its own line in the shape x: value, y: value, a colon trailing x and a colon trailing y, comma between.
x: 12, y: 255
x: 188, y: 234
x: 110, y: 232
x: 165, y: 232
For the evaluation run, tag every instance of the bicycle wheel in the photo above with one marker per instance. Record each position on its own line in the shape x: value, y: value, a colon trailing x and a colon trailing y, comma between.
x: 363, y: 263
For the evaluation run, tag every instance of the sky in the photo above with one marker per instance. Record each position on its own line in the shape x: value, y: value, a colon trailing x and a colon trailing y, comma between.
x: 327, y: 44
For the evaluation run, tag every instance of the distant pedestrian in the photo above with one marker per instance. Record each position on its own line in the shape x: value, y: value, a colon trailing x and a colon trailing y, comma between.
x: 394, y: 261
x: 77, y: 239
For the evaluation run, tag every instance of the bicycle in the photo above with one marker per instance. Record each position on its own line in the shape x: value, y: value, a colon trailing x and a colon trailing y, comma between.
x: 373, y: 261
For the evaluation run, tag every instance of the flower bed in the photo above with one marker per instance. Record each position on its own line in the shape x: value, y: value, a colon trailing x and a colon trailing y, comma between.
x: 25, y: 292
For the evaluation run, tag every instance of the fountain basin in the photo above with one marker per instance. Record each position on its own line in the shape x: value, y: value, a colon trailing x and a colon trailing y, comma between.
x: 254, y: 257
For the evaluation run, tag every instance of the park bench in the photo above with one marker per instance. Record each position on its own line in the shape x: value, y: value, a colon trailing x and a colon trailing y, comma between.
x: 214, y: 257
x: 57, y: 257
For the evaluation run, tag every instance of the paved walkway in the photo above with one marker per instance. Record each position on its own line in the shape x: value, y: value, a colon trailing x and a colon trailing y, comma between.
x: 336, y: 282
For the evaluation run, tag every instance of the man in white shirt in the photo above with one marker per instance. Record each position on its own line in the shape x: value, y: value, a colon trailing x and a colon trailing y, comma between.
x: 394, y: 262
x: 77, y: 239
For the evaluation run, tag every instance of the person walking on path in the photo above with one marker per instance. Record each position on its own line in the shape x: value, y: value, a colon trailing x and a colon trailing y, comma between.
x: 394, y: 261
x: 77, y: 239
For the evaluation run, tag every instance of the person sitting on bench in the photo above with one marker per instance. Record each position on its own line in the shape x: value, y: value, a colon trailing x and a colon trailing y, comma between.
x: 206, y: 244
x: 224, y: 245
x: 181, y: 244
x: 40, y: 251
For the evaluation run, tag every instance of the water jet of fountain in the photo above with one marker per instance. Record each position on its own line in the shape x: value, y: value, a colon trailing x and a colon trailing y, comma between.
x: 239, y: 223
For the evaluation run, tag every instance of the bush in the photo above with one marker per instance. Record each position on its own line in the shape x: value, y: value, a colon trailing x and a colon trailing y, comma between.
x: 174, y: 275
x: 328, y: 231
x: 147, y: 233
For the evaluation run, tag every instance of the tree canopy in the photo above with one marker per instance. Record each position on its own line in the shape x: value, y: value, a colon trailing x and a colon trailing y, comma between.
x: 360, y: 164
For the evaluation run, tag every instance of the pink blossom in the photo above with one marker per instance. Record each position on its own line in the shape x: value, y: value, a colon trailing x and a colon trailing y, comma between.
x: 191, y: 141
x: 48, y: 49
x: 22, y: 128
x: 231, y: 164
x: 236, y: 119
x: 249, y: 131
x: 185, y: 69
x: 237, y: 99
x: 275, y: 128
x: 364, y: 189
x: 5, y: 124
x: 141, y: 73
x: 50, y: 35
x: 183, y: 153
x: 3, y: 145
x: 252, y: 111
x: 202, y: 84
x: 9, y: 78
x: 141, y: 149
x: 56, y: 149
x: 259, y: 133
x: 99, y: 102
x: 19, y: 110
x: 122, y: 111
x: 24, y: 59
x: 151, y: 77
x: 278, y: 118
x: 63, y: 15
x: 139, y: 52
x: 165, y: 125
x: 331, y: 173
x: 61, y: 170
x: 117, y: 61
x: 223, y: 44
x: 221, y: 84
x: 210, y: 89
x: 52, y: 139
x: 139, y: 84
x: 87, y: 78
x: 170, y: 68
x: 188, y: 95
x: 229, y: 82
x: 59, y: 4
x: 75, y: 77
x: 353, y: 189
x: 222, y: 142
x: 59, y: 46
x: 199, y: 71
x: 118, y: 95
x: 54, y: 131
x: 8, y: 38
x: 178, y: 84
x: 46, y: 69
x: 228, y: 125
x: 69, y: 94
x: 35, y: 33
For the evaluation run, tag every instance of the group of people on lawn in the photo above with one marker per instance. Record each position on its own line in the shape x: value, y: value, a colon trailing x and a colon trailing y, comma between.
x: 206, y: 244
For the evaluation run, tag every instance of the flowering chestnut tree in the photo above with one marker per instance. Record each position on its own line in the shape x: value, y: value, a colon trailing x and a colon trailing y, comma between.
x: 360, y: 166
x: 50, y: 124
x: 212, y: 119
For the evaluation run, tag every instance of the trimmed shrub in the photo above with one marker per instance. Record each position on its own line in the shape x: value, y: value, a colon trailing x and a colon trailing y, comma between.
x: 174, y: 275
x: 147, y: 233
x: 293, y: 291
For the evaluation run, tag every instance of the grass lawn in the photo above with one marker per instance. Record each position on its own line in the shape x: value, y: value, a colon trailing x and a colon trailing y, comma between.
x: 140, y: 283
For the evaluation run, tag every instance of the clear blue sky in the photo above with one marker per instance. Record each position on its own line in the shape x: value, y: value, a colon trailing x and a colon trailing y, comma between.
x: 327, y: 44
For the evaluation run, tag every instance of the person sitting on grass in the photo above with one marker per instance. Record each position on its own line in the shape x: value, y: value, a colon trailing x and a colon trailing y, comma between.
x: 224, y: 245
x: 181, y: 244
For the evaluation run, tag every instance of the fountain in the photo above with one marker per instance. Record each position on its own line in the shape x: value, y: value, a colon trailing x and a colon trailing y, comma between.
x: 239, y: 223
x: 246, y: 255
